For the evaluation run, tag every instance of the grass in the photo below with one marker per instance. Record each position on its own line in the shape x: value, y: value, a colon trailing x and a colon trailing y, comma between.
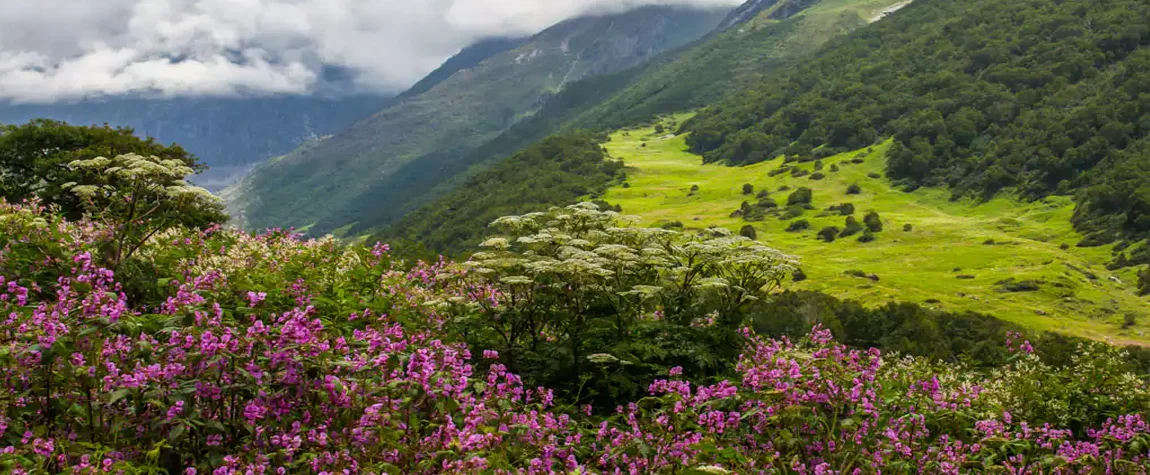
x: 984, y: 242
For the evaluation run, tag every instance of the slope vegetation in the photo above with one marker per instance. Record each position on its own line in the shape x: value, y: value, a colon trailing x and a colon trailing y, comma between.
x: 1004, y: 257
x: 979, y: 95
x: 461, y: 112
x: 761, y: 36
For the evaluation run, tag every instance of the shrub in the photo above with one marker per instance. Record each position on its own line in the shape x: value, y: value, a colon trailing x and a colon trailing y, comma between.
x: 834, y: 168
x: 748, y: 188
x: 798, y: 275
x: 779, y: 171
x: 792, y: 212
x: 874, y: 175
x: 800, y: 196
x: 798, y: 225
x: 1015, y: 285
x: 799, y: 172
x: 854, y: 189
x: 867, y: 236
x: 673, y: 225
x: 763, y: 194
x: 829, y: 233
x: 844, y: 209
x: 851, y: 228
x: 907, y: 228
x: 694, y: 189
x: 767, y: 203
x: 818, y: 165
x: 784, y: 188
x: 873, y: 221
x: 1144, y: 281
x: 817, y: 176
x: 748, y: 232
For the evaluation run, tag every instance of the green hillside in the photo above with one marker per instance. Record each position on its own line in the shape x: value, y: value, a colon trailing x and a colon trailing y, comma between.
x: 456, y: 114
x: 956, y: 255
x: 757, y: 39
x: 979, y: 95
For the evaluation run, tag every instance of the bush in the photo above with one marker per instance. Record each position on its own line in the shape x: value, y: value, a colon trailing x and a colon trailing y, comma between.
x: 798, y: 275
x: 817, y: 176
x: 694, y: 189
x: 854, y: 189
x: 829, y: 233
x: 748, y: 232
x: 818, y: 165
x: 1144, y: 281
x: 799, y: 172
x: 784, y: 188
x: 844, y: 209
x: 834, y: 168
x: 673, y: 225
x: 799, y: 225
x: 867, y: 236
x: 767, y: 203
x: 763, y: 194
x: 748, y: 188
x: 1015, y: 285
x: 800, y: 196
x: 873, y: 221
x: 792, y: 212
x: 779, y: 171
x: 907, y: 228
x: 851, y: 228
x: 874, y: 175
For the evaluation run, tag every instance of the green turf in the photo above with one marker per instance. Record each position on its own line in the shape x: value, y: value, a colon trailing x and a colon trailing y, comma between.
x: 948, y: 239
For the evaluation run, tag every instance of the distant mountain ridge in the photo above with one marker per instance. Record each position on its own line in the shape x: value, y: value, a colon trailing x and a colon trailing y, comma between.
x: 227, y: 134
x: 460, y: 112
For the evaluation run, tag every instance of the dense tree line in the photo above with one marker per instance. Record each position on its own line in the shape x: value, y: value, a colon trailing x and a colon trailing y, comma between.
x: 556, y: 171
x: 978, y: 95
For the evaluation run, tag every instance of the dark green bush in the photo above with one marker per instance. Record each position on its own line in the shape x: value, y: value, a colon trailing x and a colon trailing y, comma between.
x: 798, y: 225
x: 829, y: 233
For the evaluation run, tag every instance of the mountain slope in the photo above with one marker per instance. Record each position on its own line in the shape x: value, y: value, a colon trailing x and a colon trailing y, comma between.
x: 1003, y: 257
x: 980, y: 95
x: 461, y: 112
x: 727, y: 60
x: 227, y: 134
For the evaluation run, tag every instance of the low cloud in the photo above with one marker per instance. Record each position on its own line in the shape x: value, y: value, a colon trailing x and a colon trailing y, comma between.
x: 53, y: 50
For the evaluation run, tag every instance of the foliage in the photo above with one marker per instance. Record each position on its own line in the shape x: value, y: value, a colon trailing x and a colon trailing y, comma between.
x: 873, y: 221
x: 801, y: 196
x: 829, y: 233
x: 326, y: 358
x: 553, y: 172
x: 748, y: 232
x: 851, y: 227
x: 137, y: 197
x: 979, y: 95
x: 35, y: 158
x: 574, y: 282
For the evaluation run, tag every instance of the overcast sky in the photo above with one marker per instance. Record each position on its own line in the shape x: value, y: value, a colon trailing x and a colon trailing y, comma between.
x: 67, y: 49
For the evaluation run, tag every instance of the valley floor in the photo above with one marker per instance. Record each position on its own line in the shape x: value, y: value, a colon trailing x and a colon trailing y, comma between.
x: 955, y: 256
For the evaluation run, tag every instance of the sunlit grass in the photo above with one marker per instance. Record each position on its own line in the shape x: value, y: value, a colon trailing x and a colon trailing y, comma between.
x: 948, y: 239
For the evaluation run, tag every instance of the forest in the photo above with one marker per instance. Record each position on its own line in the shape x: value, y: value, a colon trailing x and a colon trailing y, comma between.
x: 980, y: 96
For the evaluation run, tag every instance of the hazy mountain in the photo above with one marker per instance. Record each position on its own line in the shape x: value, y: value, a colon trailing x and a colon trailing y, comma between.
x: 470, y: 107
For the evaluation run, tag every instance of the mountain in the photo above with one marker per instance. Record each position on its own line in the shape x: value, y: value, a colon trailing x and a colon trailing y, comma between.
x: 770, y: 36
x: 461, y: 112
x: 1030, y: 97
x: 997, y: 152
x: 227, y: 134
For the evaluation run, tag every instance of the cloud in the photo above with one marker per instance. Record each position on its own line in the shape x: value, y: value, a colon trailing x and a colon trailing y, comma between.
x: 54, y: 50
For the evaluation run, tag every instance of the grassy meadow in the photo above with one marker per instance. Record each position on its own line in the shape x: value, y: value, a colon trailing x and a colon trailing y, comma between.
x: 955, y: 256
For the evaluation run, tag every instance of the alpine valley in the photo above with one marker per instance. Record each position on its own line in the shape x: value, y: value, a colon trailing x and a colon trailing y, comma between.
x: 788, y: 237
